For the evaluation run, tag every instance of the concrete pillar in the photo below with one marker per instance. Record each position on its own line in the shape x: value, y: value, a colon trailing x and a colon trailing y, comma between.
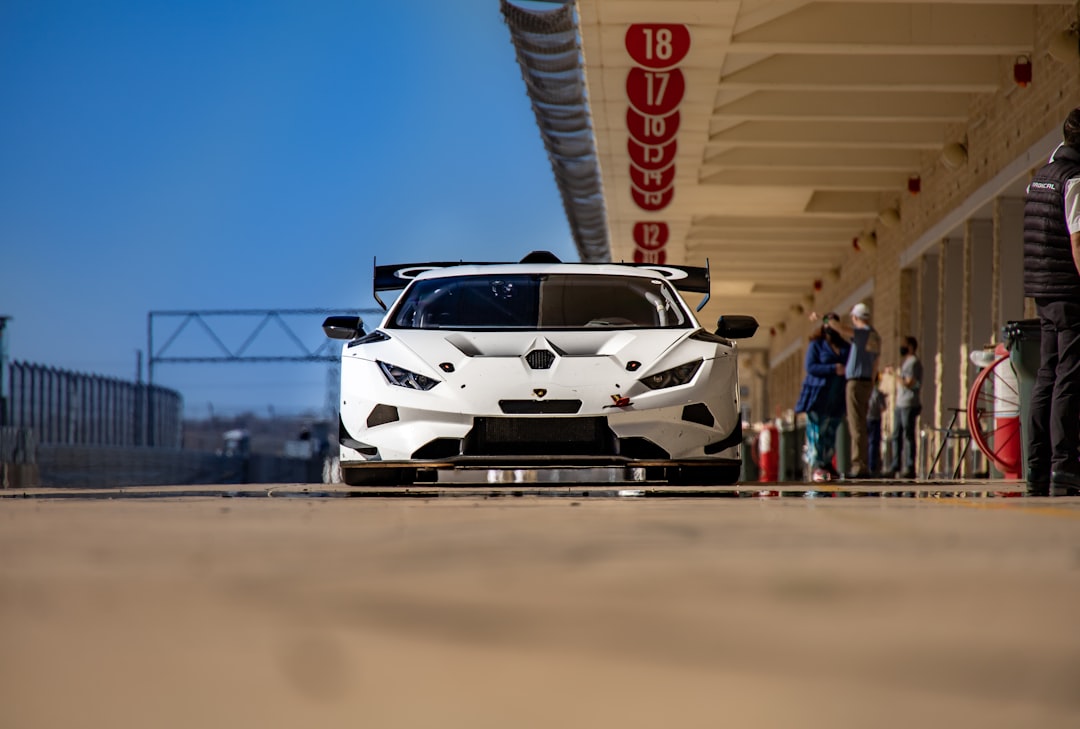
x: 1008, y: 221
x: 950, y: 327
x: 927, y: 323
x: 906, y: 314
x: 979, y: 265
x: 967, y: 250
x: 753, y: 372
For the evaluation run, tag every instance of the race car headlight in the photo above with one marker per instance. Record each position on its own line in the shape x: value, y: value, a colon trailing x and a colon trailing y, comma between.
x: 670, y: 378
x: 404, y: 378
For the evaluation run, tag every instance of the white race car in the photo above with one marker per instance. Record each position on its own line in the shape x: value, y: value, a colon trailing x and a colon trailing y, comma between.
x: 540, y: 365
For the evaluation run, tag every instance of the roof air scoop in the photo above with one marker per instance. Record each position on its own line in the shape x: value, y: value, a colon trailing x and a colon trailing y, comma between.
x: 541, y: 257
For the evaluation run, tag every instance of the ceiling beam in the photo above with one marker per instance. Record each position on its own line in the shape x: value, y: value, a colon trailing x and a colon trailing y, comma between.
x: 828, y: 106
x: 894, y: 29
x: 800, y: 72
x: 886, y: 135
x: 817, y: 179
x: 838, y: 158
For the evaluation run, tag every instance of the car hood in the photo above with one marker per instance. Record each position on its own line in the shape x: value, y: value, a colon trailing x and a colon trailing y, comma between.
x: 435, y: 347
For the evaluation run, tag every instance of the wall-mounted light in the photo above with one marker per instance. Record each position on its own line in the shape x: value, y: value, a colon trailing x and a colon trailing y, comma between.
x: 855, y: 243
x: 1065, y: 46
x: 954, y: 155
x: 889, y: 217
x: 1022, y: 71
x: 818, y: 284
x: 914, y: 184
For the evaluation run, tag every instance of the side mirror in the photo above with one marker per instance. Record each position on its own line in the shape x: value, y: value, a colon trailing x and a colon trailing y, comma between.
x: 736, y: 326
x: 343, y: 327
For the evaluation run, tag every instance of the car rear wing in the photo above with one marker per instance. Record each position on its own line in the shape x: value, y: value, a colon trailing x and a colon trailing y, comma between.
x: 397, y: 276
x: 684, y: 278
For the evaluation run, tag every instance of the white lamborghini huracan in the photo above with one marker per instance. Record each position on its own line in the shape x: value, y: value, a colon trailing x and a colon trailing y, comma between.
x: 540, y: 365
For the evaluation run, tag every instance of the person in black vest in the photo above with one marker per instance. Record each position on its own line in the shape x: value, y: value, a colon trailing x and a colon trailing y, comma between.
x: 1052, y: 278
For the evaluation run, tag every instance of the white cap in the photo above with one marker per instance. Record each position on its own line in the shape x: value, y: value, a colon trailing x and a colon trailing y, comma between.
x: 861, y: 311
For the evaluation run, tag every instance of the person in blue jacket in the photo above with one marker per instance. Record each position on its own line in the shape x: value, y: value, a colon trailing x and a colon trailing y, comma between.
x: 822, y: 397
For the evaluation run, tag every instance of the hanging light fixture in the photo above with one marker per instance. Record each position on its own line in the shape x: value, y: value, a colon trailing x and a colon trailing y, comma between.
x: 954, y: 155
x: 1065, y: 46
x: 889, y: 217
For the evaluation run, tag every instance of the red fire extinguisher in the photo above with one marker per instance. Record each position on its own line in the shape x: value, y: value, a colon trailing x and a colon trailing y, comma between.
x: 768, y: 453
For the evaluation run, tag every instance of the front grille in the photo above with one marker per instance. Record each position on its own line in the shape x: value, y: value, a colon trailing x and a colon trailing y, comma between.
x: 540, y: 359
x: 540, y: 407
x: 540, y: 437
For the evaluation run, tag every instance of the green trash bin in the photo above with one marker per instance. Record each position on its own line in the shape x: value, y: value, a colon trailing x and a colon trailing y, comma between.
x: 843, y: 447
x: 1022, y: 339
x: 786, y: 468
x: 802, y: 473
x: 749, y: 471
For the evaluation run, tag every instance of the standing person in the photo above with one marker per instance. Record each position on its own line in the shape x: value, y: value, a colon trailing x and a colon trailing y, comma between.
x: 906, y: 410
x: 874, y: 411
x: 859, y: 374
x: 822, y: 397
x: 1052, y: 278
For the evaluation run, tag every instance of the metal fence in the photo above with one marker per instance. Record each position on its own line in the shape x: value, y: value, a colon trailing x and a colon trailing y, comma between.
x: 70, y: 408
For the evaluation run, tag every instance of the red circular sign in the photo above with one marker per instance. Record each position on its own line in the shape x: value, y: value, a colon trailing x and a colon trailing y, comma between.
x: 650, y: 236
x: 651, y: 129
x: 651, y: 157
x: 656, y: 93
x: 652, y: 180
x: 652, y: 200
x: 641, y: 256
x: 656, y: 45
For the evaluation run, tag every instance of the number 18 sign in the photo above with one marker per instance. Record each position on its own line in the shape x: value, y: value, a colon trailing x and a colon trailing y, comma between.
x: 657, y: 46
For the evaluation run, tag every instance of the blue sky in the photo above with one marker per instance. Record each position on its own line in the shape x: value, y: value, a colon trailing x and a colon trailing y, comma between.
x: 226, y: 155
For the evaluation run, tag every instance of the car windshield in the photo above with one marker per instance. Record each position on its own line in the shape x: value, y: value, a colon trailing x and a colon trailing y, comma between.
x: 539, y: 301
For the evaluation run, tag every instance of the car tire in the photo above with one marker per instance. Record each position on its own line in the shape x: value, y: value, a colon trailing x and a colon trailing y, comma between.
x: 378, y: 476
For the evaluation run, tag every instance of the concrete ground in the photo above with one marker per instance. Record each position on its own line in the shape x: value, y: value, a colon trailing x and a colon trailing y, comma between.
x: 178, y: 608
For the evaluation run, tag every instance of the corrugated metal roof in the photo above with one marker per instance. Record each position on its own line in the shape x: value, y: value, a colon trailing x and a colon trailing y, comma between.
x: 548, y: 51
